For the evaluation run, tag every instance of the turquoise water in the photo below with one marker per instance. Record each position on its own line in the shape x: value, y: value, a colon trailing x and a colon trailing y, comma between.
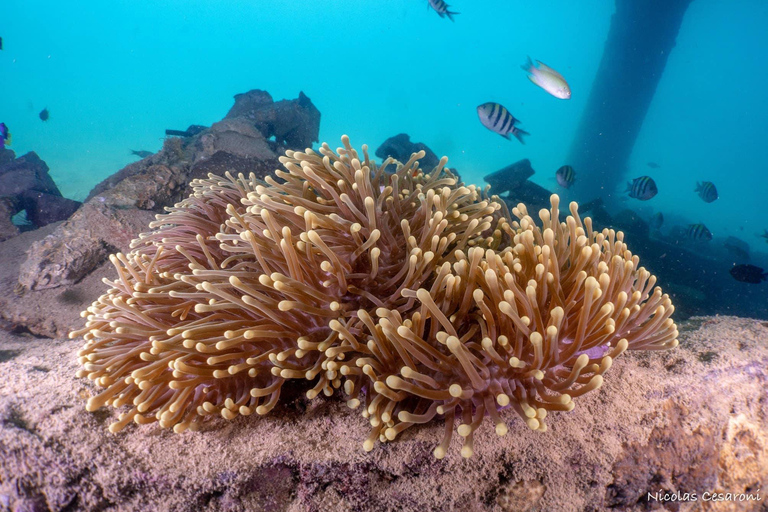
x: 116, y: 75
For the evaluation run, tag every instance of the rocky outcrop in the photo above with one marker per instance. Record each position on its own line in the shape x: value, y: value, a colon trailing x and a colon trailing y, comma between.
x: 401, y: 148
x: 46, y: 265
x: 109, y: 219
x: 26, y: 185
x: 290, y: 124
x: 663, y: 425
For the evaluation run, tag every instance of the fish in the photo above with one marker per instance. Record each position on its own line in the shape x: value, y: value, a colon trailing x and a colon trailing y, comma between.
x: 565, y: 176
x: 44, y: 114
x: 548, y: 79
x: 747, y: 273
x: 141, y: 153
x: 642, y: 188
x: 5, y: 134
x: 441, y: 8
x: 707, y: 191
x: 698, y: 232
x: 498, y: 119
x: 657, y: 221
x: 654, y: 165
x: 1, y: 43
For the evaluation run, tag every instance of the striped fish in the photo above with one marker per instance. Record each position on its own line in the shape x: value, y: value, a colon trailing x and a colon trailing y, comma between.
x: 698, y: 232
x: 498, y: 119
x: 441, y: 8
x: 642, y: 188
x: 565, y: 176
x: 707, y: 191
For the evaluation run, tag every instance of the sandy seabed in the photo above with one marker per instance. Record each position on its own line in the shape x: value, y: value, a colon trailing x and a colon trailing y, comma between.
x: 688, y: 420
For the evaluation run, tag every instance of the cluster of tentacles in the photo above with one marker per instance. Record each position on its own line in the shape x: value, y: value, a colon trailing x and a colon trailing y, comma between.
x: 413, y: 294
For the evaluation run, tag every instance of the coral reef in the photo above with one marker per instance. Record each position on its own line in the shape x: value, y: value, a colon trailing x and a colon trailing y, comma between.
x: 416, y: 295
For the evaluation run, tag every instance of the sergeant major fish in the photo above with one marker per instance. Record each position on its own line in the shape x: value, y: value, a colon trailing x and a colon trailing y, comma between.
x: 642, y: 188
x: 565, y: 176
x: 498, y: 119
x: 441, y: 8
x: 707, y: 191
x: 548, y: 79
x: 698, y: 232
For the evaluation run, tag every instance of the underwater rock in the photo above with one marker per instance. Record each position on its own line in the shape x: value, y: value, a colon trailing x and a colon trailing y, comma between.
x: 596, y: 209
x: 221, y: 162
x: 688, y: 420
x: 238, y: 143
x: 401, y: 148
x: 25, y: 184
x: 513, y: 179
x: 6, y: 155
x: 510, y: 178
x: 533, y: 195
x: 630, y: 222
x: 737, y: 249
x: 42, y: 208
x: 80, y: 244
x: 28, y: 172
x: 238, y: 136
x: 46, y: 312
x: 294, y: 124
x: 7, y: 228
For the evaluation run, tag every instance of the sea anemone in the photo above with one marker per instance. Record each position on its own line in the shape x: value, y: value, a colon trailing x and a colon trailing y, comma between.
x: 414, y: 294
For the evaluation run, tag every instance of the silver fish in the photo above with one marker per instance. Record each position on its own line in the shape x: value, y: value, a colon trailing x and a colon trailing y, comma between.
x: 499, y: 120
x: 548, y: 79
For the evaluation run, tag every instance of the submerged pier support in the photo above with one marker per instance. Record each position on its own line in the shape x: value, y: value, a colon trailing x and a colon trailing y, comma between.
x: 641, y: 36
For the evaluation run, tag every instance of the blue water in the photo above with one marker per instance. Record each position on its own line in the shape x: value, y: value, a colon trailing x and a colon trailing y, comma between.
x: 115, y: 75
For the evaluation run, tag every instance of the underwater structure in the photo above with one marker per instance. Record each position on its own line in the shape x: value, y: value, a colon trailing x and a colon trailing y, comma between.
x: 641, y: 36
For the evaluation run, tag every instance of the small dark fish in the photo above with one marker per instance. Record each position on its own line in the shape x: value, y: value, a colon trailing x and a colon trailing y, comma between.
x: 44, y: 114
x: 698, y: 232
x: 5, y: 134
x: 141, y: 153
x: 498, y: 119
x: 1, y: 43
x: 657, y: 221
x: 747, y: 273
x: 565, y: 176
x: 706, y: 191
x: 441, y: 8
x: 642, y: 188
x: 654, y: 165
